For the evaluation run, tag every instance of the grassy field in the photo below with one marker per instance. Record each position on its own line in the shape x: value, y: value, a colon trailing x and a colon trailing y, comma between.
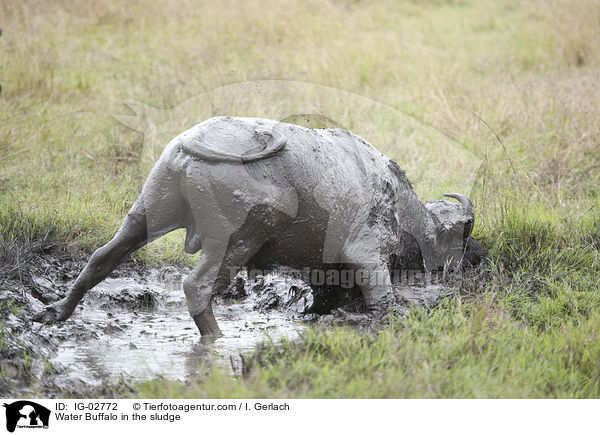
x: 496, y: 98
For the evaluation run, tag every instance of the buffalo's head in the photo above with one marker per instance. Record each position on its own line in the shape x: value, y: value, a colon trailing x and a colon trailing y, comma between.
x: 451, y: 242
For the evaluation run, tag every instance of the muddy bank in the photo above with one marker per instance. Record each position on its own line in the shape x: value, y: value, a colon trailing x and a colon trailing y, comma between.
x: 33, y: 274
x: 135, y: 325
x: 132, y: 326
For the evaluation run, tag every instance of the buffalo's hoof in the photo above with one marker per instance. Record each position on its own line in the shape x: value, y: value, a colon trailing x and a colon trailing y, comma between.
x: 207, y: 325
x: 210, y: 339
x: 51, y: 314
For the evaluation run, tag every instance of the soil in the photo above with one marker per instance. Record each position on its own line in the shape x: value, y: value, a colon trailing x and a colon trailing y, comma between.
x: 135, y: 326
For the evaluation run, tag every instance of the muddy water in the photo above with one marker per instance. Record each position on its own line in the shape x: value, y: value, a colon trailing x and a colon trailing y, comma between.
x: 140, y: 329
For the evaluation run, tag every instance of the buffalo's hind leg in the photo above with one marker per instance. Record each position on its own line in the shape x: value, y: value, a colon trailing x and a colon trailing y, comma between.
x: 219, y: 261
x: 223, y: 258
x: 131, y: 236
x: 198, y: 287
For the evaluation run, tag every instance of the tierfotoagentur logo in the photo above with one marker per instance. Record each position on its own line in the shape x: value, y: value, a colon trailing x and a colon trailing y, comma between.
x: 346, y: 278
x: 25, y: 414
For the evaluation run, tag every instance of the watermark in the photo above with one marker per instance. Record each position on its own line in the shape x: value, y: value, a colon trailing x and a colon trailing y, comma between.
x: 25, y: 414
x: 347, y: 278
x: 268, y: 416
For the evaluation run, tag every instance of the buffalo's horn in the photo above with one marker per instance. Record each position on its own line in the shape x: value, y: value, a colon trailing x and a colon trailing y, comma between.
x: 466, y: 203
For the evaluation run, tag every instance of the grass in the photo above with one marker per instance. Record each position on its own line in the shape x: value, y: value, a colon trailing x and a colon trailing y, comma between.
x: 494, y: 99
x: 450, y: 353
x: 516, y: 329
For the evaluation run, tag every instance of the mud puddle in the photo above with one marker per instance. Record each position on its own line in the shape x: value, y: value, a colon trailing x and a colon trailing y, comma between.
x: 141, y: 329
x: 135, y: 324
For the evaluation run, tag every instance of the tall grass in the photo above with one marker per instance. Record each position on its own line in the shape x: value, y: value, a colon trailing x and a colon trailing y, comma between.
x: 523, y: 325
x: 515, y: 87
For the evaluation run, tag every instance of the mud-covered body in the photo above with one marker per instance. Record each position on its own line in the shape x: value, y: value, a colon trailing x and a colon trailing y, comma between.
x: 325, y: 178
x: 261, y: 192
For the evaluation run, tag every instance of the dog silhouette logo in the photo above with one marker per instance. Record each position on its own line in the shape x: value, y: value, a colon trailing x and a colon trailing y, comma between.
x: 26, y: 414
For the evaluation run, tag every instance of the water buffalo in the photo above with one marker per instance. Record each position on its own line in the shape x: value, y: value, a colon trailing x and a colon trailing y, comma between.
x: 257, y: 191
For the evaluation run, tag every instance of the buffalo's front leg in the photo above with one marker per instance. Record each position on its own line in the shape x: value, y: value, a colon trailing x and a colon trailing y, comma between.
x: 372, y: 276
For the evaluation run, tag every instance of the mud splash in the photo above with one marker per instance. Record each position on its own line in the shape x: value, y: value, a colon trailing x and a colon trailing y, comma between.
x: 141, y: 329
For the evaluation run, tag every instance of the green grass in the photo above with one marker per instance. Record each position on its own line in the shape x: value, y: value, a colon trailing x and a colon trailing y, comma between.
x: 449, y: 353
x: 490, y: 98
x: 523, y: 325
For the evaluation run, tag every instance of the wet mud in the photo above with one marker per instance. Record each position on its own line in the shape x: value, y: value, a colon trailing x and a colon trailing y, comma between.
x: 135, y: 326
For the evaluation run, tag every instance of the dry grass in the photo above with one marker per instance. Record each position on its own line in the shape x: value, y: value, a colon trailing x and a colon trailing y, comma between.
x: 68, y: 67
x: 494, y: 98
